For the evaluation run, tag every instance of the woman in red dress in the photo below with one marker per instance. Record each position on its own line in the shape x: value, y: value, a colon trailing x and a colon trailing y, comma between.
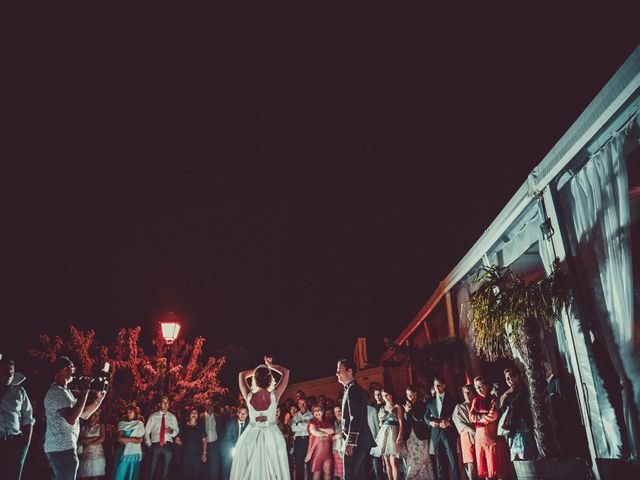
x: 491, y: 451
x: 320, y: 452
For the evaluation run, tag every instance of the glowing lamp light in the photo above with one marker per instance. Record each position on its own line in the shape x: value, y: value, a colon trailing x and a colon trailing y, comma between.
x: 170, y: 331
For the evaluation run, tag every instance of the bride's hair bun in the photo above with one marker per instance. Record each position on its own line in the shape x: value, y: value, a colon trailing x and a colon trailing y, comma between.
x: 262, y: 377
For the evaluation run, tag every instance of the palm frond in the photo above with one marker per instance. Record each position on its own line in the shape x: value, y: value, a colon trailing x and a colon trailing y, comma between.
x: 504, y: 300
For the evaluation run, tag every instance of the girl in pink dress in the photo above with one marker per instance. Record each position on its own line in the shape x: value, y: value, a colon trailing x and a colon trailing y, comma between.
x: 320, y: 453
x: 490, y: 449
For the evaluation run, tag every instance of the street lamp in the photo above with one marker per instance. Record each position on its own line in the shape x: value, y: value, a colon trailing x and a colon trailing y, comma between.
x: 170, y: 328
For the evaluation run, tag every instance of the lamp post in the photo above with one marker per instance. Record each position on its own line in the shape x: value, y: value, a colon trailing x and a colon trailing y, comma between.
x: 170, y: 328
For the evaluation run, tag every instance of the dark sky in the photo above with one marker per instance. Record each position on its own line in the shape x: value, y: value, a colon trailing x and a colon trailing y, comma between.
x: 289, y: 185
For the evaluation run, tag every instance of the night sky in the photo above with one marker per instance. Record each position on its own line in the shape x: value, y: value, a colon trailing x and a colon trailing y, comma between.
x: 289, y: 186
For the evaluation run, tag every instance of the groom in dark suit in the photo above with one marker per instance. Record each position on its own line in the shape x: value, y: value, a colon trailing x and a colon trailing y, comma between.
x: 444, y: 435
x: 234, y: 429
x: 359, y: 439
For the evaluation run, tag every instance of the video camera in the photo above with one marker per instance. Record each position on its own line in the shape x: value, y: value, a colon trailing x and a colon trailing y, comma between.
x: 96, y: 383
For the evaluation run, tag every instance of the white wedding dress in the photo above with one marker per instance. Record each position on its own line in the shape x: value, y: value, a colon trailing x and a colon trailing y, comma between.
x: 261, y: 451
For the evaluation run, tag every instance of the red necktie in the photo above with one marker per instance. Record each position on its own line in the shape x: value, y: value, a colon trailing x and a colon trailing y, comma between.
x: 162, y: 429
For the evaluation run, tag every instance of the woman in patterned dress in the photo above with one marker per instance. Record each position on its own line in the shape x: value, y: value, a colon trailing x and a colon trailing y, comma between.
x: 390, y: 441
x: 417, y: 462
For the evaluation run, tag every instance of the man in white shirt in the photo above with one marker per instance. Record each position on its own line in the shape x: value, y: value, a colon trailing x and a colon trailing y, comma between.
x: 162, y: 428
x: 214, y: 428
x: 299, y: 428
x: 63, y: 412
x: 16, y: 422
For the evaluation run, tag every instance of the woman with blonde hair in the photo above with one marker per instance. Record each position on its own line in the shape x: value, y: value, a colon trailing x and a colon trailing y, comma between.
x: 319, y: 453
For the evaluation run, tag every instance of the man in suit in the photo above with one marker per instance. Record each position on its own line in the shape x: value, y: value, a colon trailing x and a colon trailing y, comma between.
x: 444, y: 435
x: 359, y: 439
x: 374, y: 426
x: 234, y: 429
x: 214, y: 428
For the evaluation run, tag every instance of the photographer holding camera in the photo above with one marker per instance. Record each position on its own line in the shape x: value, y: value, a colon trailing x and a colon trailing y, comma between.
x: 63, y: 412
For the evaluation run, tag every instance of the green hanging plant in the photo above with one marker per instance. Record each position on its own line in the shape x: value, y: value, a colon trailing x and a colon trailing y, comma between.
x: 509, y: 310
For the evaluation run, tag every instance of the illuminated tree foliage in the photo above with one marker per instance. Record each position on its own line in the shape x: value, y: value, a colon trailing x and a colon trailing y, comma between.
x: 140, y: 378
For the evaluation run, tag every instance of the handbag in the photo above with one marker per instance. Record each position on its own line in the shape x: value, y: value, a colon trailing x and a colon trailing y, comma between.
x: 505, y: 422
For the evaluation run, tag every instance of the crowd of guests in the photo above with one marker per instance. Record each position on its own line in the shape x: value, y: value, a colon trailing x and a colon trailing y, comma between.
x: 425, y: 435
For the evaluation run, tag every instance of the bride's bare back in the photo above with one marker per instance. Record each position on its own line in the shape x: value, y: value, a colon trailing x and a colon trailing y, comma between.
x: 261, y: 401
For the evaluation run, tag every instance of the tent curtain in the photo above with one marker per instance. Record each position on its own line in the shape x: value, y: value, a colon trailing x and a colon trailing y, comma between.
x: 601, y: 413
x: 517, y: 240
x: 601, y: 218
x: 599, y: 211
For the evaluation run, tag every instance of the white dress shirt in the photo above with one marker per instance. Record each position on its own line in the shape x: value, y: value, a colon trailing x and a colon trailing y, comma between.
x: 152, y: 430
x: 299, y: 424
x: 440, y: 400
x: 15, y: 411
x: 210, y: 427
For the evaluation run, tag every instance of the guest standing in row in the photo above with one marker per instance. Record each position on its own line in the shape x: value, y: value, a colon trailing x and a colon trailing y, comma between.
x: 214, y: 428
x: 129, y: 451
x: 16, y: 422
x: 444, y: 435
x: 467, y: 430
x: 320, y: 454
x: 299, y: 429
x: 418, y: 462
x: 193, y: 445
x: 491, y: 455
x: 162, y: 427
x: 520, y: 438
x: 235, y: 428
x: 374, y: 426
x: 93, y: 464
x: 338, y: 443
x: 390, y: 439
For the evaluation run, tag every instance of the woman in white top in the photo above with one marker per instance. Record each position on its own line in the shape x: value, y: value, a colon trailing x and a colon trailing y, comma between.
x: 92, y: 462
x: 129, y: 453
x: 261, y: 451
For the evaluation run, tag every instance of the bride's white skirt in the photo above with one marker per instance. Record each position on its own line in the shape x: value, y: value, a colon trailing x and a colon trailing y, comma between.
x: 260, y: 454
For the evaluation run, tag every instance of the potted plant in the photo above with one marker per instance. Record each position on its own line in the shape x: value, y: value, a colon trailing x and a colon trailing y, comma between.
x: 510, y: 311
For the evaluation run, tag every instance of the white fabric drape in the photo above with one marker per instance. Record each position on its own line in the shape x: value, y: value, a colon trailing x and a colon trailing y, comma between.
x: 601, y: 219
x: 600, y: 412
x: 600, y: 216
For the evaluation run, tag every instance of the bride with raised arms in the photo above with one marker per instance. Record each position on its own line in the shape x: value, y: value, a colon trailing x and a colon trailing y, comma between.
x: 261, y: 451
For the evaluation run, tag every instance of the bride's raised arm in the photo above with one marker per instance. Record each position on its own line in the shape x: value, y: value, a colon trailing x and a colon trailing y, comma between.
x: 284, y: 377
x: 245, y: 389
